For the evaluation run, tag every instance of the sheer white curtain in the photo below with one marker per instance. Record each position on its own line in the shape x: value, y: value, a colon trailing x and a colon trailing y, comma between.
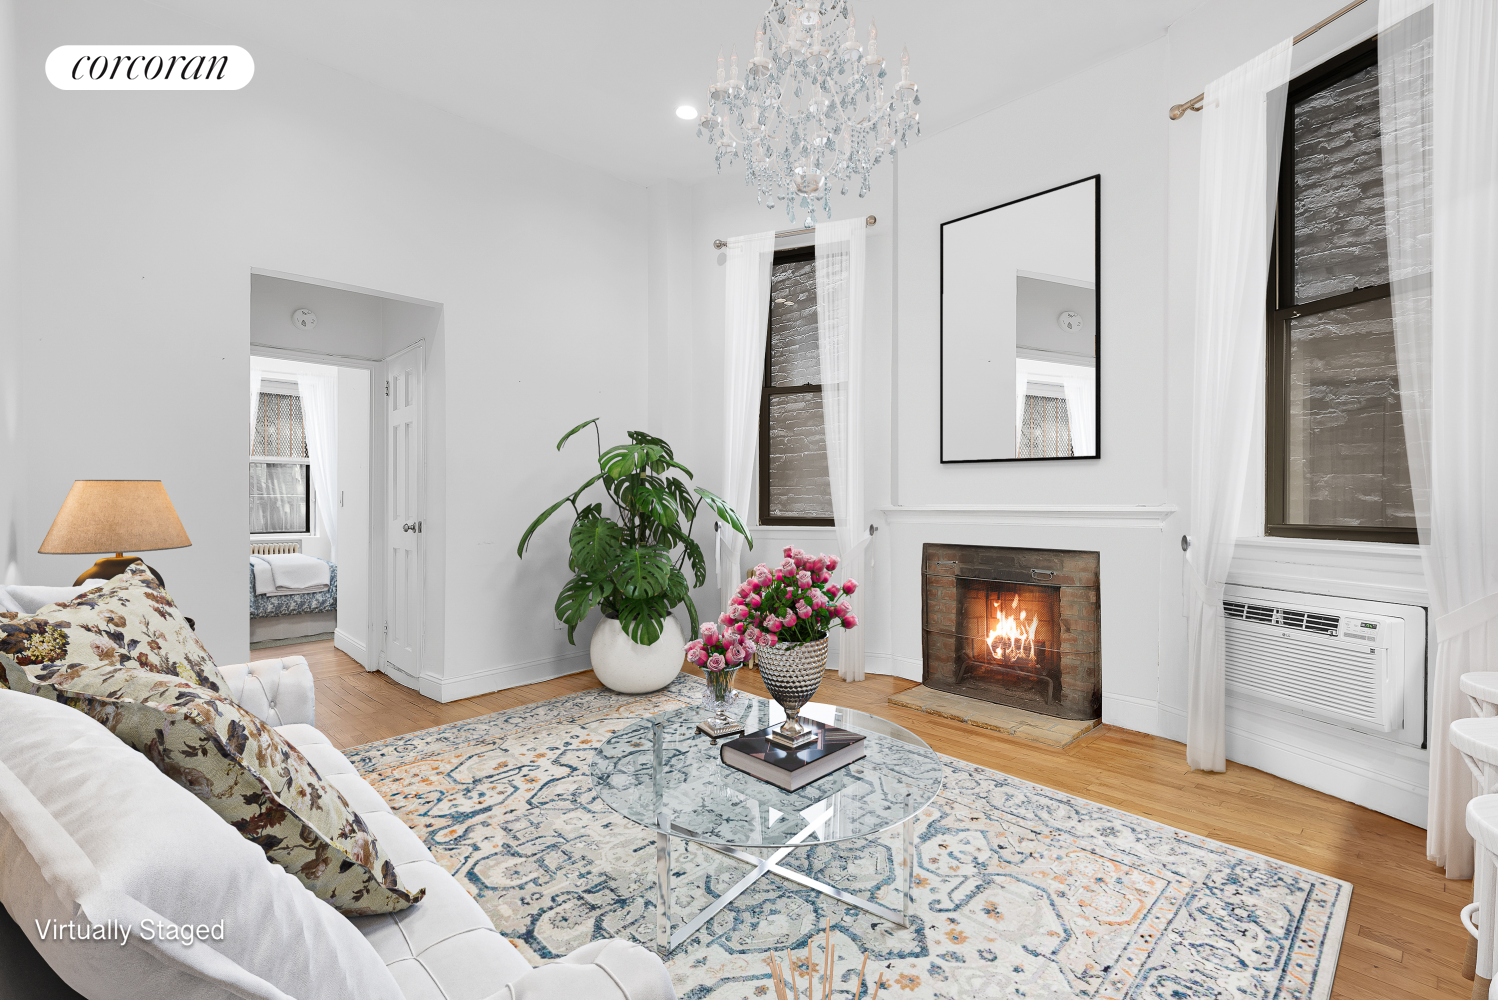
x: 1456, y: 422
x: 1239, y: 159
x: 257, y: 373
x: 1081, y: 410
x: 320, y: 419
x: 746, y: 315
x: 840, y: 285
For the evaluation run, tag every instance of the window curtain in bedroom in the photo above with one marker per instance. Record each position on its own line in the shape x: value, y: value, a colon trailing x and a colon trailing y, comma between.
x: 320, y: 419
x: 746, y: 317
x: 1447, y: 352
x: 257, y: 375
x: 1081, y: 411
x: 840, y: 283
x: 1242, y: 117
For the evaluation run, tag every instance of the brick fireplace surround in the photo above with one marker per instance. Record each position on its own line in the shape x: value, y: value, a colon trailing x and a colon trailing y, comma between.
x: 1045, y: 658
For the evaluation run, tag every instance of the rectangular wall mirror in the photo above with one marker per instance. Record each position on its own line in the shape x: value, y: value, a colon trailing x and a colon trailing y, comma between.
x: 1019, y: 329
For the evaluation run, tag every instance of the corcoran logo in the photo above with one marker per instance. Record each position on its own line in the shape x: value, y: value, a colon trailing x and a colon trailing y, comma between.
x: 149, y: 67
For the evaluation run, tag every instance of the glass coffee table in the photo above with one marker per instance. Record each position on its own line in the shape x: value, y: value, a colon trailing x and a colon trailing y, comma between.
x: 664, y: 775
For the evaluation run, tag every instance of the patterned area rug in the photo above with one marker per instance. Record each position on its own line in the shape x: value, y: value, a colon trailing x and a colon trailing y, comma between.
x: 1021, y: 891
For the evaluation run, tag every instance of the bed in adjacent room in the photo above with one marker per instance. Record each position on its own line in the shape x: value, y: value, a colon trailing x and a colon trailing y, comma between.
x: 292, y: 596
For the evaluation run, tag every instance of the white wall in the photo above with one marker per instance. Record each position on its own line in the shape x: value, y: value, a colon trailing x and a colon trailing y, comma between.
x: 10, y: 341
x: 1111, y: 125
x: 537, y: 263
x: 354, y: 633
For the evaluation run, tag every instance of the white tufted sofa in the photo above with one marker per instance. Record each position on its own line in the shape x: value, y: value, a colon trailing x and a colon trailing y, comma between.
x: 279, y: 691
x: 445, y: 947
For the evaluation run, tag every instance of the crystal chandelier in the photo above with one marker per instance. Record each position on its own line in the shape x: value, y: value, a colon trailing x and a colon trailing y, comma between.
x: 811, y: 110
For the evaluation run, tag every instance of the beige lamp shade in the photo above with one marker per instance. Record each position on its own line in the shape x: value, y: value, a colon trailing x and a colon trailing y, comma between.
x: 115, y: 515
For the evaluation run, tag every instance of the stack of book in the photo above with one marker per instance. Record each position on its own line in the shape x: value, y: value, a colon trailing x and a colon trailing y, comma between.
x: 756, y: 755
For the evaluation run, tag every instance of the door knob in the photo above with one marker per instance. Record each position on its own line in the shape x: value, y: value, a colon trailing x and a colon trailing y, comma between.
x: 409, y: 527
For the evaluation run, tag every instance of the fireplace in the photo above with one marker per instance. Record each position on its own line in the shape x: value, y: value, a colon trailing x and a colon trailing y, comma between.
x: 1015, y: 627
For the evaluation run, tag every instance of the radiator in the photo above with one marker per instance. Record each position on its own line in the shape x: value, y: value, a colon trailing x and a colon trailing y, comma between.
x: 274, y: 548
x: 1350, y: 663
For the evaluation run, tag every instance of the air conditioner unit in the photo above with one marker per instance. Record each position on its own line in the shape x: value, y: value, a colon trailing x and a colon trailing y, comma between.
x: 1352, y: 663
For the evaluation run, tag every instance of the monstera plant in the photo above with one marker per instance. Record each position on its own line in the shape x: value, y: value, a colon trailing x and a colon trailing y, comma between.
x: 632, y: 562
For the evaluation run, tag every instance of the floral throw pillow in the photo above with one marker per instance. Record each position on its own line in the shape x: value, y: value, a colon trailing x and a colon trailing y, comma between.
x: 243, y: 769
x: 127, y: 620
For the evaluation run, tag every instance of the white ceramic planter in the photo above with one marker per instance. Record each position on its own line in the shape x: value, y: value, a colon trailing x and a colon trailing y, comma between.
x: 625, y: 666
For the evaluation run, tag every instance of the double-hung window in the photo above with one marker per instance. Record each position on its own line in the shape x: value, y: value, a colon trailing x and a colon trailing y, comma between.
x: 280, y: 469
x: 1335, y: 465
x: 794, y: 485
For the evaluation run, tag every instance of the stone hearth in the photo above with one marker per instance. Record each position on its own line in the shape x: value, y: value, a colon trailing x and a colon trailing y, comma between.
x: 1016, y: 627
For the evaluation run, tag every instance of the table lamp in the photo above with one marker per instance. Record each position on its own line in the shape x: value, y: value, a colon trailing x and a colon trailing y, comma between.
x: 115, y: 515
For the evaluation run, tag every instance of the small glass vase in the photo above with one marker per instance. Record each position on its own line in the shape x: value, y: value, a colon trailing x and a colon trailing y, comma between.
x: 720, y: 695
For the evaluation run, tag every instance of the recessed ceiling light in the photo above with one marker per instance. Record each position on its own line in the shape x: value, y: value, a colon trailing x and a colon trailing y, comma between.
x: 686, y: 112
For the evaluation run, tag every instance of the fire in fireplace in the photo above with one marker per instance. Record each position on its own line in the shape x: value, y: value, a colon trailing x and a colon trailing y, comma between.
x: 1014, y: 626
x: 1010, y: 633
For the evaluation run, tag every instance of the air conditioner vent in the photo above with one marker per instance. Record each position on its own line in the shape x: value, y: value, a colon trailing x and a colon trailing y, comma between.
x: 1296, y: 657
x: 1305, y: 621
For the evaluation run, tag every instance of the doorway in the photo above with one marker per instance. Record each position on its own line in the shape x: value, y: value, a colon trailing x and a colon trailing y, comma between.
x: 381, y: 344
x: 309, y: 502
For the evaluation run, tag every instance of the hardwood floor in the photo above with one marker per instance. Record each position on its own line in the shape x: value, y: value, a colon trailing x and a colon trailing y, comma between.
x: 1403, y: 935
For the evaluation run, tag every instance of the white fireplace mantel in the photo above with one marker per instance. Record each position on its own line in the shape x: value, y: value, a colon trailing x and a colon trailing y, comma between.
x: 1078, y: 515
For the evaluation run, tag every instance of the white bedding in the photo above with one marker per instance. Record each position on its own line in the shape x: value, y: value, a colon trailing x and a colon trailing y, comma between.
x: 292, y: 573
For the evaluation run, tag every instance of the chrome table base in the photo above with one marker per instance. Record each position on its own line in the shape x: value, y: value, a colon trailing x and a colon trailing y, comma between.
x: 666, y: 942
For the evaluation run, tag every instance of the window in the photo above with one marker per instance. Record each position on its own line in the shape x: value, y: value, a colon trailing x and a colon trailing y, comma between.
x: 1044, y: 422
x: 1335, y: 462
x: 794, y: 486
x: 280, y: 471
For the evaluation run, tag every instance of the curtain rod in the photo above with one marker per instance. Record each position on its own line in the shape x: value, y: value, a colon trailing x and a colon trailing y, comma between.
x: 868, y: 221
x: 1195, y: 104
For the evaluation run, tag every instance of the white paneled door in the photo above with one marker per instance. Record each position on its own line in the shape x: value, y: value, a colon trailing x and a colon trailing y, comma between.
x: 404, y: 529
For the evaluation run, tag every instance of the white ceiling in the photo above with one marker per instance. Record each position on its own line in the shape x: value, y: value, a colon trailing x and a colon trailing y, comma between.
x: 598, y: 81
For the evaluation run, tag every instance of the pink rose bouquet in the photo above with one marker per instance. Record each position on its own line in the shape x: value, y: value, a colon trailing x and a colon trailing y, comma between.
x: 722, y: 649
x: 796, y: 601
x: 723, y: 645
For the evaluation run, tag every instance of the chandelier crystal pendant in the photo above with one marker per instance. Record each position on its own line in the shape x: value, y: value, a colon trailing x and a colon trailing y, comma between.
x: 810, y: 112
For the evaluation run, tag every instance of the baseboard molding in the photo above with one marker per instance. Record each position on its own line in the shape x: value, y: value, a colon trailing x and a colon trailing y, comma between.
x: 1142, y: 715
x: 891, y: 665
x: 1353, y: 773
x: 445, y: 689
x: 1345, y: 779
x: 353, y: 647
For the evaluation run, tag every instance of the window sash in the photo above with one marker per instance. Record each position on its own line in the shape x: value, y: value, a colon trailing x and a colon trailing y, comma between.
x: 309, y: 507
x: 768, y: 392
x: 1282, y: 309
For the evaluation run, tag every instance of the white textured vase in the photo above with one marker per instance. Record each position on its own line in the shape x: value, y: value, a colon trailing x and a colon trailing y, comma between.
x: 625, y: 666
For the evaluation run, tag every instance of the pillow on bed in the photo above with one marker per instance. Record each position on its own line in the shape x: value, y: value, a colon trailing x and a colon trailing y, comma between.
x: 128, y: 619
x: 243, y: 769
x: 30, y: 600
